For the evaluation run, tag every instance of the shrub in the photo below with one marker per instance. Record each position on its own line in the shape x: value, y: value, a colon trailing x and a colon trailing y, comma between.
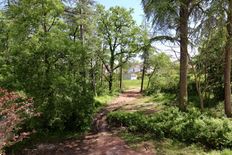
x: 190, y: 127
x: 14, y: 109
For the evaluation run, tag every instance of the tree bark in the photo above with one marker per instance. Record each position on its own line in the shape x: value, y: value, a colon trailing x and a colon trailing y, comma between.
x: 110, y: 82
x: 142, y: 78
x: 227, y: 70
x: 102, y: 74
x: 149, y: 78
x: 183, y: 98
x: 112, y: 59
x: 145, y: 55
x: 120, y: 73
x: 93, y: 77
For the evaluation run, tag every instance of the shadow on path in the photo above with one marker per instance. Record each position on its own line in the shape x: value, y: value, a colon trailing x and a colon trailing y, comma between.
x: 101, y: 141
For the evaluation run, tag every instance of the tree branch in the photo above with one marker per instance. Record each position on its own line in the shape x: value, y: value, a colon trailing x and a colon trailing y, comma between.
x: 194, y: 6
x: 53, y: 22
x: 159, y: 38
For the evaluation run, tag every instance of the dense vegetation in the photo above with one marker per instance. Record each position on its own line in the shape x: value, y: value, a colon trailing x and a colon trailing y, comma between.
x: 58, y: 57
x: 190, y: 127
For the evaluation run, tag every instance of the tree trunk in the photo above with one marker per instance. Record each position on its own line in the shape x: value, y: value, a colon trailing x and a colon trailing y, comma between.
x: 111, y: 71
x: 150, y: 76
x: 142, y: 78
x: 183, y: 98
x: 110, y: 82
x: 102, y: 74
x: 145, y: 65
x: 93, y: 77
x: 83, y: 56
x: 120, y: 74
x: 227, y: 71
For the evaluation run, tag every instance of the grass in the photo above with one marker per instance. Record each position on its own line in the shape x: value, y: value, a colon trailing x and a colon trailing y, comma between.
x: 164, y: 98
x: 103, y: 100
x: 133, y: 84
x: 168, y: 146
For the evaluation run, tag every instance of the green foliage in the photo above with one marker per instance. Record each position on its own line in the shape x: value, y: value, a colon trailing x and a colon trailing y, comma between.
x: 135, y: 122
x: 164, y: 98
x: 101, y: 101
x: 132, y: 84
x: 163, y: 14
x: 209, y: 67
x: 169, y: 146
x: 163, y: 76
x: 63, y: 54
x: 190, y: 127
x: 120, y: 38
x: 45, y: 63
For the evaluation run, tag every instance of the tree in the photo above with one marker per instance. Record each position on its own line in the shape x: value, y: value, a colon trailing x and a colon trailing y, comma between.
x: 220, y: 17
x: 175, y: 15
x: 162, y: 74
x: 81, y: 21
x: 228, y: 50
x: 145, y: 57
x: 209, y: 67
x: 119, y: 33
x: 145, y: 53
x: 46, y: 64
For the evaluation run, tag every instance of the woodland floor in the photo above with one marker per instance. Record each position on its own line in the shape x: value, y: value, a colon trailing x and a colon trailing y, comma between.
x: 101, y: 140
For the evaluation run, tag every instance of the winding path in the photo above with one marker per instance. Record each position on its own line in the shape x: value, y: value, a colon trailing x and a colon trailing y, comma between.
x: 101, y: 141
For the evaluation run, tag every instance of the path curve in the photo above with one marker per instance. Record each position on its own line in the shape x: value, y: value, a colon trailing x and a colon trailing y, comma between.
x: 101, y: 141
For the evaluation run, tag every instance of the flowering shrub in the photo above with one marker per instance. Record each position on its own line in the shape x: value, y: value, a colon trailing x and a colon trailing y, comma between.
x: 14, y: 109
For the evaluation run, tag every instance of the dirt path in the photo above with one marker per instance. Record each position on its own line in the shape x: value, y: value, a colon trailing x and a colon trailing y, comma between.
x: 101, y: 141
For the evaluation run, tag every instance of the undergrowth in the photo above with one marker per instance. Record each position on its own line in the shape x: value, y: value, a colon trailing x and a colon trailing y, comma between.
x: 188, y: 127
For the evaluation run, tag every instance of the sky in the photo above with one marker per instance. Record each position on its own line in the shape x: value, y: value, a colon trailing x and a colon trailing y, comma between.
x: 138, y: 14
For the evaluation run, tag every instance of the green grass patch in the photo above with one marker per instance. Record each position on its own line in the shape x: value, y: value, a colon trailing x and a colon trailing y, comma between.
x: 133, y: 84
x: 164, y: 98
x: 103, y: 100
x: 133, y: 139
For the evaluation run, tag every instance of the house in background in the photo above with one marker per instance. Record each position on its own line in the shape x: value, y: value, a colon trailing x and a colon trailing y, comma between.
x: 133, y: 72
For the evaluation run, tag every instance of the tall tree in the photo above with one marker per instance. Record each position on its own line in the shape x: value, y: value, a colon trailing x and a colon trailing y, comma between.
x: 175, y: 15
x: 145, y: 56
x: 227, y: 68
x: 79, y: 16
x: 207, y: 66
x: 220, y: 18
x: 120, y: 34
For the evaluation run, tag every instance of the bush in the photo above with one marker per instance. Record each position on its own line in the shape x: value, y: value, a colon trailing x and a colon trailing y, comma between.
x: 163, y: 83
x: 190, y: 127
x: 14, y: 110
